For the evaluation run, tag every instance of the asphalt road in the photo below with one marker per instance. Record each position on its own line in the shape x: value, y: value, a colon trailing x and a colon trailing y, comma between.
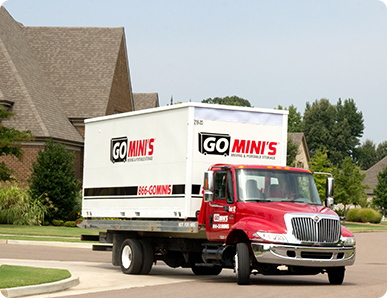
x: 367, y: 278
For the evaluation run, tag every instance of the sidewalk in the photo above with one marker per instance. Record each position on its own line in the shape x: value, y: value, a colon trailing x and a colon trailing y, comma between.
x: 42, y: 288
x: 109, y: 277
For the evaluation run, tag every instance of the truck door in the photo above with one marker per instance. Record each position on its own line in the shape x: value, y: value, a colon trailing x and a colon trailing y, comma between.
x: 221, y: 213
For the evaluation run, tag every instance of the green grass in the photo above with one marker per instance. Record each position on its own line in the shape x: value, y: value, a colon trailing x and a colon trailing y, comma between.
x: 44, y: 233
x: 19, y: 276
x: 359, y: 227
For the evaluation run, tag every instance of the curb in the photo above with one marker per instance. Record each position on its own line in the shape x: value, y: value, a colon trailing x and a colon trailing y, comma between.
x: 41, y: 289
x: 48, y: 243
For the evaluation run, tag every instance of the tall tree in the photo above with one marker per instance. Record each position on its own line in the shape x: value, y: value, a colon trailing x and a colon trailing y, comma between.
x: 228, y: 100
x: 381, y: 150
x: 366, y: 155
x: 337, y: 128
x: 380, y: 191
x: 349, y: 187
x: 295, y: 121
x: 10, y: 143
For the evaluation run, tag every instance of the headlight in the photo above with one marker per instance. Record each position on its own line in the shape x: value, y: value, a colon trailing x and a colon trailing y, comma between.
x: 272, y: 237
x: 348, y: 241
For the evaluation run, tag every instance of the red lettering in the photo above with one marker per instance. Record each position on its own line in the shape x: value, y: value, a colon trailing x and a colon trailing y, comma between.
x: 239, y: 146
x: 150, y: 152
x: 132, y: 150
x: 141, y: 148
x: 255, y: 147
x: 272, y: 148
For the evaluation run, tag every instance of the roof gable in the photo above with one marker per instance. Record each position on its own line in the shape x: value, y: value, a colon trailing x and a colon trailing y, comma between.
x: 53, y: 74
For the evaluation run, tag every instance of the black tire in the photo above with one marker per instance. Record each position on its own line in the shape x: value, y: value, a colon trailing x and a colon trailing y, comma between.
x: 199, y: 270
x: 336, y: 275
x: 242, y: 264
x: 131, y: 256
x: 147, y: 251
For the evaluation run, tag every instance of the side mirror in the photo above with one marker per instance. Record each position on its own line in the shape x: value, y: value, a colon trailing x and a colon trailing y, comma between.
x: 329, y: 192
x: 208, y: 186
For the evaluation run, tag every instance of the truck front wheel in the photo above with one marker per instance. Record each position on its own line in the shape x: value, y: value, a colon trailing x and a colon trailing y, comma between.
x: 131, y: 256
x: 242, y: 264
x: 336, y: 275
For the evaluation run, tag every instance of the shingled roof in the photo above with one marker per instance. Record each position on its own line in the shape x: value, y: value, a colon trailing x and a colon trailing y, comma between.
x: 52, y: 75
x: 371, y: 178
x: 145, y: 101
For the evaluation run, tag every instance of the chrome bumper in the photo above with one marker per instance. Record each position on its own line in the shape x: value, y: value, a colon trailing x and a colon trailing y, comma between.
x: 303, y: 255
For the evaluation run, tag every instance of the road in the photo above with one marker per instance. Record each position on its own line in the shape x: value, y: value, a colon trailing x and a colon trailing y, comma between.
x: 367, y: 278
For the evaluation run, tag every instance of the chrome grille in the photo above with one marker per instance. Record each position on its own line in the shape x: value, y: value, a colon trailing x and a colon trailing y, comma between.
x: 322, y: 230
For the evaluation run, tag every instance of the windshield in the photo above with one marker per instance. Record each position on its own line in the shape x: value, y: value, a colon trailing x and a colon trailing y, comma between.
x: 262, y: 185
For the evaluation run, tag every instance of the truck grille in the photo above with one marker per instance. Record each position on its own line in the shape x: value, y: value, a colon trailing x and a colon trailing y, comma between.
x: 321, y: 230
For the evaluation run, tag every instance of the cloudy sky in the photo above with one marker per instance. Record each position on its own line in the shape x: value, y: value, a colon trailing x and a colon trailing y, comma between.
x: 271, y: 52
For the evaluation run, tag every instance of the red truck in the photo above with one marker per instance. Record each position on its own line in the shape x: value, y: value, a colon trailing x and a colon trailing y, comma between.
x: 252, y: 217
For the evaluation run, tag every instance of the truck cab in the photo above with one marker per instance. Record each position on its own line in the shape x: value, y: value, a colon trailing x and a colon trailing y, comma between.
x: 275, y: 216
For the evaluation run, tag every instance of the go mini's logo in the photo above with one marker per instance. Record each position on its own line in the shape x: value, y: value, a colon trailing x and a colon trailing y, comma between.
x: 121, y: 149
x: 214, y: 143
x: 118, y: 149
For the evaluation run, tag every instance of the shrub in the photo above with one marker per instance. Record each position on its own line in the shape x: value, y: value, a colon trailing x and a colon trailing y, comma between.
x: 53, y: 175
x: 70, y: 224
x: 364, y: 215
x: 17, y: 207
x: 58, y: 223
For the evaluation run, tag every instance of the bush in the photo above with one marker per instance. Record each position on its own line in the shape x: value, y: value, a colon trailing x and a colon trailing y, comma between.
x: 57, y: 223
x: 53, y: 175
x: 70, y: 224
x: 17, y: 207
x: 364, y: 215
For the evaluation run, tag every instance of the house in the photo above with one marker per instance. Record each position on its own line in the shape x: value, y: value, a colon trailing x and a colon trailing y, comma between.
x: 53, y: 78
x: 302, y: 157
x: 371, y: 178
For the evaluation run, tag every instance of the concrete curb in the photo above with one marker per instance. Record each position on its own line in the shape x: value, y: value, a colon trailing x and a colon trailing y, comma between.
x: 49, y: 243
x: 42, y: 289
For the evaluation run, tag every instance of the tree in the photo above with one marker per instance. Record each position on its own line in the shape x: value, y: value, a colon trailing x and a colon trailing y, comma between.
x: 380, y: 191
x: 228, y: 100
x: 320, y: 163
x: 366, y: 155
x: 381, y: 150
x: 295, y: 121
x: 53, y: 177
x: 337, y: 128
x: 348, y: 185
x: 10, y: 143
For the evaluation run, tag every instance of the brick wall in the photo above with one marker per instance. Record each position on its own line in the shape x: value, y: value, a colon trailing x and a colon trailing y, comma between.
x: 22, y: 169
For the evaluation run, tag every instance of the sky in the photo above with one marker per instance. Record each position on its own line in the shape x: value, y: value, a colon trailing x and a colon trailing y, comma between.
x: 270, y: 52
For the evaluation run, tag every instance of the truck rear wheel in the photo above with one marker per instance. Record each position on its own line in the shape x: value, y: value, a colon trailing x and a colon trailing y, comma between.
x: 336, y: 275
x: 147, y: 251
x: 131, y: 256
x: 242, y: 264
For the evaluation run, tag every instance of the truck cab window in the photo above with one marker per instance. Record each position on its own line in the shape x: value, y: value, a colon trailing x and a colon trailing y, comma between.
x: 224, y: 186
x: 220, y: 185
x: 230, y: 189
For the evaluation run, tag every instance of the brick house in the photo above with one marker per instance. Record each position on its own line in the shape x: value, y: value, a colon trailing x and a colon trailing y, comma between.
x: 53, y: 78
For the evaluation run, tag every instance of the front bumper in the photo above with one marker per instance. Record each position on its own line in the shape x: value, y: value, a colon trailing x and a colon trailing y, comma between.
x: 303, y: 255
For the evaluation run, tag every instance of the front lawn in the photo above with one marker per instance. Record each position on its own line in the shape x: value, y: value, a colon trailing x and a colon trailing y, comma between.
x: 20, y: 276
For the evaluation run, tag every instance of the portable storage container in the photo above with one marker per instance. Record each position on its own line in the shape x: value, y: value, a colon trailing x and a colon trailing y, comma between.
x: 150, y: 163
